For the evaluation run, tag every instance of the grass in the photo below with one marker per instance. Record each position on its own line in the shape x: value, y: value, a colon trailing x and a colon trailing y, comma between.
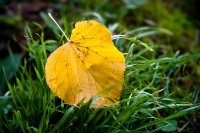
x: 161, y: 83
x: 148, y: 101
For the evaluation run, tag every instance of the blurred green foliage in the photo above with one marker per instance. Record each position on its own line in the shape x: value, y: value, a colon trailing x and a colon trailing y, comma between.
x: 9, y: 66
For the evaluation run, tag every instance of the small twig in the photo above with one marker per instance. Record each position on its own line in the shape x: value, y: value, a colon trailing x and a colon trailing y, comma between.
x: 184, y: 126
x: 58, y: 26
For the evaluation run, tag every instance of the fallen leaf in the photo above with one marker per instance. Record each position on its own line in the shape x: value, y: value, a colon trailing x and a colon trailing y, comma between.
x: 88, y: 65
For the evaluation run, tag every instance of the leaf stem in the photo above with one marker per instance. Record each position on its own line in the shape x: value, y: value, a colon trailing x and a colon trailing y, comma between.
x: 58, y: 26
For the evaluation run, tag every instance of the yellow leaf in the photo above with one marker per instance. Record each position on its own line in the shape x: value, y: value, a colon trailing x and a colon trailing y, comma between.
x: 88, y: 65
